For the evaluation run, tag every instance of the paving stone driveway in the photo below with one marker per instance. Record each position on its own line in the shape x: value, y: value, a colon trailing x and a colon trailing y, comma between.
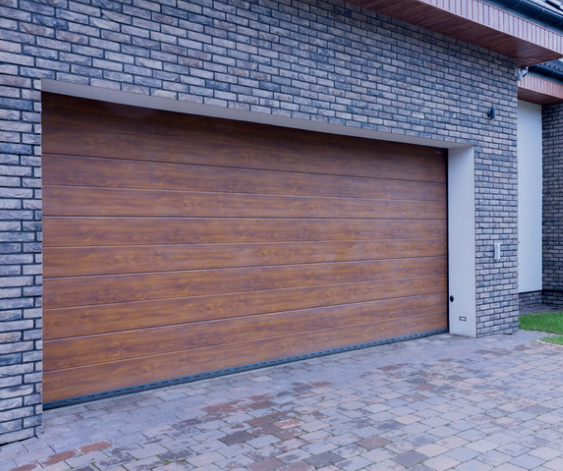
x: 438, y: 403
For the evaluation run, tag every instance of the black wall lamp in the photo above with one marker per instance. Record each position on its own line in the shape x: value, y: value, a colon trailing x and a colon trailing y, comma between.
x: 492, y: 114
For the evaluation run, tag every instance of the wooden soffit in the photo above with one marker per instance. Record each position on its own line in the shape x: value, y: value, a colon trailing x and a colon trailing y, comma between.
x: 478, y: 23
x: 539, y: 90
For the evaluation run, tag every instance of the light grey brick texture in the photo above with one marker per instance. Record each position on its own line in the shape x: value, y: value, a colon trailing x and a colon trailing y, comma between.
x: 320, y: 60
x: 531, y: 298
x: 552, y: 116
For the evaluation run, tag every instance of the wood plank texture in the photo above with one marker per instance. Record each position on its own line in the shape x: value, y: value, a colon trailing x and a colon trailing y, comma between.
x: 152, y: 341
x: 539, y: 90
x: 477, y: 22
x: 176, y: 245
x: 119, y: 260
x: 104, y: 318
x: 67, y: 292
x: 79, y: 231
x: 110, y: 202
x: 72, y: 382
x: 110, y: 173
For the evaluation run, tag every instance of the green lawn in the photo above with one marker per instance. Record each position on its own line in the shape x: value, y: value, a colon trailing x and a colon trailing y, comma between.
x: 549, y: 322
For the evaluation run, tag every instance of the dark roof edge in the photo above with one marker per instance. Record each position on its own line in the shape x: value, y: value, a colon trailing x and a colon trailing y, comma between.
x: 532, y: 11
x: 545, y: 71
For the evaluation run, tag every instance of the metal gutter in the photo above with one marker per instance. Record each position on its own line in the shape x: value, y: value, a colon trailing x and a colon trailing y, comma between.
x: 546, y: 71
x: 531, y: 10
x: 550, y: 16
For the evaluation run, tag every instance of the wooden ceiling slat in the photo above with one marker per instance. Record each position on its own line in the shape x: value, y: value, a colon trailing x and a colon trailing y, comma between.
x: 539, y: 90
x: 477, y: 23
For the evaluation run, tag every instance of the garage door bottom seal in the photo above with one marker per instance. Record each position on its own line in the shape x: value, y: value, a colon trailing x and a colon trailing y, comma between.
x: 228, y: 371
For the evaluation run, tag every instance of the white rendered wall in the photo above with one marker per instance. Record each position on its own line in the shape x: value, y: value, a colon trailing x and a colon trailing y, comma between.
x: 529, y: 197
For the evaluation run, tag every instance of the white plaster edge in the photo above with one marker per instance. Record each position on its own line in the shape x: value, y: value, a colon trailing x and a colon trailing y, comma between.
x: 461, y: 242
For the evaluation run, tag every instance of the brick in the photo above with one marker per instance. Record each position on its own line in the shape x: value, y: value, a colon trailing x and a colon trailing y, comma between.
x: 6, y: 382
x: 12, y: 403
x: 95, y: 447
x: 15, y: 347
x: 16, y: 325
x: 10, y: 359
x: 13, y: 259
x: 10, y: 426
x: 16, y: 281
x: 57, y: 458
x: 551, y: 224
x: 6, y: 416
x: 10, y: 337
x: 10, y: 226
x: 16, y: 436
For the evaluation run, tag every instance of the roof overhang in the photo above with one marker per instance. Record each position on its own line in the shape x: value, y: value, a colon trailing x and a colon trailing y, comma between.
x: 539, y: 90
x: 479, y: 23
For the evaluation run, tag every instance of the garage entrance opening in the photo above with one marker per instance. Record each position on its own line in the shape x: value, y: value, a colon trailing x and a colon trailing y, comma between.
x: 176, y: 244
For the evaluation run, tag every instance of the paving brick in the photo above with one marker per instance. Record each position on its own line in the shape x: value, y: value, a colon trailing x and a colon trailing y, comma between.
x: 409, y: 459
x: 269, y: 464
x: 373, y: 442
x: 441, y: 463
x: 431, y: 450
x: 494, y: 458
x: 554, y: 464
x: 546, y: 453
x: 527, y: 461
x: 323, y: 459
x: 238, y: 437
x: 59, y: 457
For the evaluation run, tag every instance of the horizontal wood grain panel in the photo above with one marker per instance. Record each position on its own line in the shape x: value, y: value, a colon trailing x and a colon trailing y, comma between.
x: 99, y: 172
x: 539, y: 90
x: 178, y: 244
x: 151, y: 126
x: 98, y: 319
x: 111, y: 202
x: 376, y: 159
x: 76, y: 232
x: 81, y: 351
x: 85, y: 261
x: 83, y: 291
x: 80, y: 381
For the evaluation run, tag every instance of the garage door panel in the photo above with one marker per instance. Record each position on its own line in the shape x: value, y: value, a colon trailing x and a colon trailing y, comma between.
x: 419, y: 164
x: 91, y: 115
x: 88, y: 380
x: 106, y: 202
x: 138, y: 343
x: 138, y: 123
x: 84, y: 291
x: 79, y: 231
x: 111, y: 173
x: 178, y: 244
x: 118, y: 260
x: 90, y: 320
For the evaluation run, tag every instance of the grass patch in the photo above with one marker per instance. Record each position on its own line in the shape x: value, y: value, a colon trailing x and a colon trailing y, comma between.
x: 549, y: 322
x: 558, y: 339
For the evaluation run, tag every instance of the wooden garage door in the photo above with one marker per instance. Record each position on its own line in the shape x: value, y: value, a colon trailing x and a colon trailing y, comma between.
x: 177, y: 244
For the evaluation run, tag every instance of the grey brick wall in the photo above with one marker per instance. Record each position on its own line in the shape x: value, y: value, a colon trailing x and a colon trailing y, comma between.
x: 314, y: 60
x: 531, y: 298
x: 552, y: 116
